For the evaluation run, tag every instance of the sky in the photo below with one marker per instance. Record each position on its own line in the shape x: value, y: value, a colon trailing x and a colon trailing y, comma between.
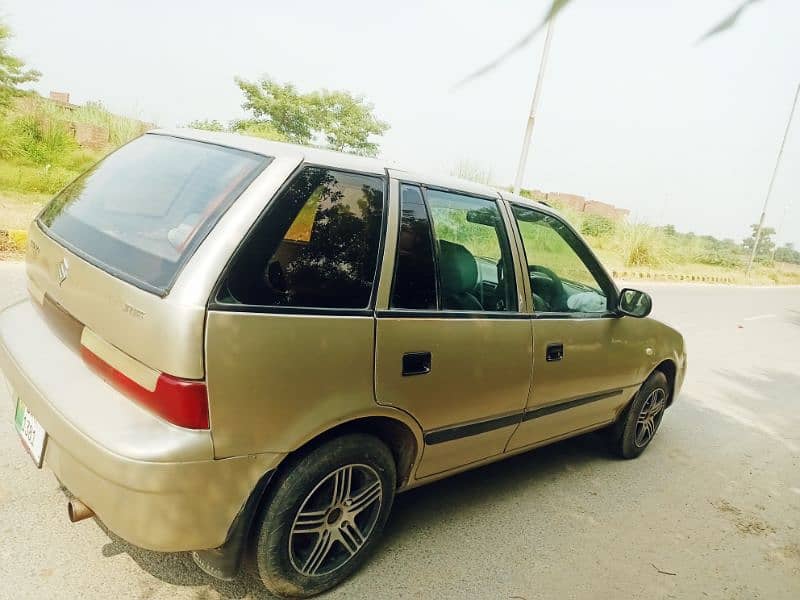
x: 633, y: 111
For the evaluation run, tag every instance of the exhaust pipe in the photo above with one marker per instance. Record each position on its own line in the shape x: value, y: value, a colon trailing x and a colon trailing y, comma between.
x: 78, y: 511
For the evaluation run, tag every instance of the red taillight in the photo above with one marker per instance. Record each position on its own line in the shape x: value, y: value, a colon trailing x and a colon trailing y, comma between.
x: 182, y: 402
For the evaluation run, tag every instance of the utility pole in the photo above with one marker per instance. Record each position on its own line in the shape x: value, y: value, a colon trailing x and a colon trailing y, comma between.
x: 779, y: 227
x: 771, y: 182
x: 523, y: 156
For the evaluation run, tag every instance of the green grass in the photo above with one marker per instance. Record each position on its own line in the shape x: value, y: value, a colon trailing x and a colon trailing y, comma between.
x: 34, y: 179
x: 120, y: 129
x: 39, y: 154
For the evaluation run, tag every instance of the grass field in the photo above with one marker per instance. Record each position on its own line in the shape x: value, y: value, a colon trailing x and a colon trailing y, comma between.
x: 39, y: 154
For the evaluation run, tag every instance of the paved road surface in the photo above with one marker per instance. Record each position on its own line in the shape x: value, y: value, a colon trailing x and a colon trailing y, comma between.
x: 711, y: 510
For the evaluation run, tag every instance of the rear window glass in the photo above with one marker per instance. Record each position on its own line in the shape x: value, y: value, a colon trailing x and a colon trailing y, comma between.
x: 316, y: 247
x: 143, y: 210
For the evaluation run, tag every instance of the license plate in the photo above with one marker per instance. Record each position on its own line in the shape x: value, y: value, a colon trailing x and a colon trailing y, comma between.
x: 31, y: 433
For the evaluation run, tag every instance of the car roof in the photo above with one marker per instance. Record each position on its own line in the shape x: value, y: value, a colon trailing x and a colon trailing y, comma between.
x: 347, y: 162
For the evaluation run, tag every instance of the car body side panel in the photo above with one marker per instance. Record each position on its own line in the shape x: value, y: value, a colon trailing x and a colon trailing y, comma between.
x: 600, y: 354
x: 605, y: 361
x: 277, y: 380
x: 480, y: 369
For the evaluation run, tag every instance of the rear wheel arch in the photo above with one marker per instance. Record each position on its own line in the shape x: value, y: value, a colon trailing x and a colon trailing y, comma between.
x: 405, y: 446
x: 397, y: 435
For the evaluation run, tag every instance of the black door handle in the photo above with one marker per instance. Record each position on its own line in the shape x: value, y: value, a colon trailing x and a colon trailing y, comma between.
x: 555, y: 352
x: 416, y: 363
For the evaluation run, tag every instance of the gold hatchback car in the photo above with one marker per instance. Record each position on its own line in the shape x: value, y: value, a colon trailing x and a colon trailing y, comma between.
x: 244, y: 348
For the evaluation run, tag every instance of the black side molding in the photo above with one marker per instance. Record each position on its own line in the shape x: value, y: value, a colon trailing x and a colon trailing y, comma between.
x: 448, y: 434
x: 554, y: 408
x: 456, y: 432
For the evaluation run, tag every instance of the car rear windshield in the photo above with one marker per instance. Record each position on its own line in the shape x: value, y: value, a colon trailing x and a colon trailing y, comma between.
x: 142, y: 211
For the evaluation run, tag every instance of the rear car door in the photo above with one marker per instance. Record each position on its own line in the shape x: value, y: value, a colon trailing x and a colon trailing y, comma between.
x: 587, y: 360
x: 453, y: 348
x: 290, y: 330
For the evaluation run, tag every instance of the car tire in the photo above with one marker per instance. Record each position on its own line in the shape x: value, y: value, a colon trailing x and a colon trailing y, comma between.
x: 324, y: 515
x: 639, y: 422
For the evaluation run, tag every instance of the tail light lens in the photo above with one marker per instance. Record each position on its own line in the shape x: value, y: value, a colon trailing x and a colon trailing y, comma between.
x: 182, y: 402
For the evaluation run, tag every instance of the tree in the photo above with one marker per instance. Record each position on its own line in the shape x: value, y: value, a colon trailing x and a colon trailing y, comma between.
x: 765, y: 244
x: 262, y: 129
x: 12, y: 70
x: 787, y: 253
x: 345, y: 121
x: 207, y: 125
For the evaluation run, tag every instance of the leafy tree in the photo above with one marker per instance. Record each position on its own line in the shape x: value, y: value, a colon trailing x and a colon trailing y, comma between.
x: 724, y: 253
x: 207, y: 125
x: 345, y: 121
x: 787, y: 253
x: 262, y: 129
x: 765, y: 244
x: 12, y: 70
x: 669, y: 230
x: 290, y: 112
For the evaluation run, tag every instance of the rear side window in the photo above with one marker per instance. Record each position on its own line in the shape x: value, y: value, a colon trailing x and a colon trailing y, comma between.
x: 142, y: 211
x: 316, y: 246
x: 415, y: 273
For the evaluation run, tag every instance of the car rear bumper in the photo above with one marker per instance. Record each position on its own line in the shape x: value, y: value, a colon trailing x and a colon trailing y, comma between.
x: 153, y: 484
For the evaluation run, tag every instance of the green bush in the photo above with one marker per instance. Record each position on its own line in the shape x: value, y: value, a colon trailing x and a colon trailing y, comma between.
x: 121, y: 130
x: 41, y: 141
x: 598, y: 226
x: 644, y: 246
x: 207, y: 125
x: 262, y: 129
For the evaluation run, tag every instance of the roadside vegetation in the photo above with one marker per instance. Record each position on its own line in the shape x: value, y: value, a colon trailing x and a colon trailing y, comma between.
x: 639, y: 250
x: 41, y: 152
x: 336, y: 119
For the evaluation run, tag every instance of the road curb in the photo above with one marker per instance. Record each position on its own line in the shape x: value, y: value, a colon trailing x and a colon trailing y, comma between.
x: 13, y: 239
x: 652, y: 275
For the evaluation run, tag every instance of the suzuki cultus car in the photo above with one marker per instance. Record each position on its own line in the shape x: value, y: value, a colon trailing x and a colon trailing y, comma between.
x: 245, y: 349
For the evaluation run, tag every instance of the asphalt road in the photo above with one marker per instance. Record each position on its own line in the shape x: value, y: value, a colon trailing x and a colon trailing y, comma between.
x: 711, y: 510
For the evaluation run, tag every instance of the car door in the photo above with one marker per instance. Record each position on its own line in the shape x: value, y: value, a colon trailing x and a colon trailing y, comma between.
x: 290, y: 332
x: 453, y: 348
x: 587, y: 359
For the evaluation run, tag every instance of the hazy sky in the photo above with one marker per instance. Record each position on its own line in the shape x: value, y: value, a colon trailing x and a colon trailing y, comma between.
x: 632, y: 112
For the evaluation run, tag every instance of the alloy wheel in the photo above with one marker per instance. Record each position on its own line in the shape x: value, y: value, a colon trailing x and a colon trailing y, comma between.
x: 650, y: 417
x: 335, y: 520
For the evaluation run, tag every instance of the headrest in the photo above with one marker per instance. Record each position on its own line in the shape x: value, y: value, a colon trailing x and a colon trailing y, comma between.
x: 458, y: 268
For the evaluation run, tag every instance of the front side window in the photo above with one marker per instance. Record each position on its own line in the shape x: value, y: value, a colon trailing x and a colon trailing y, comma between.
x: 560, y: 279
x: 316, y: 246
x: 474, y: 259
